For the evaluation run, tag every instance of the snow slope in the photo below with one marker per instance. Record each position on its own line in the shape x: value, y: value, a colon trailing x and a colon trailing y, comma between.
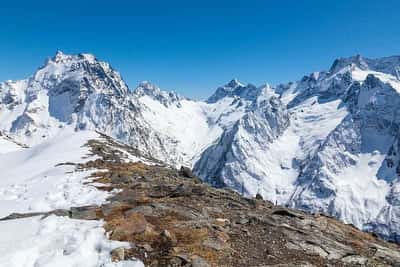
x: 33, y: 180
x: 8, y: 145
x: 41, y: 178
x: 57, y: 241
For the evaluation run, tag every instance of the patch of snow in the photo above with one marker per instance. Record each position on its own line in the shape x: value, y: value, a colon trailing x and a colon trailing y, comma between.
x: 57, y: 241
x: 312, y: 122
x: 7, y: 146
x: 358, y: 189
x: 32, y: 179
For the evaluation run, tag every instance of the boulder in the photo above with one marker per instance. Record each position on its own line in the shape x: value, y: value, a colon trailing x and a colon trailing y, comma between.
x: 168, y: 238
x: 199, y: 262
x: 186, y: 172
x: 118, y: 254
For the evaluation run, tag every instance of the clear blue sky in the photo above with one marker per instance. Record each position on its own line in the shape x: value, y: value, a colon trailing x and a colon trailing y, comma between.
x: 194, y: 46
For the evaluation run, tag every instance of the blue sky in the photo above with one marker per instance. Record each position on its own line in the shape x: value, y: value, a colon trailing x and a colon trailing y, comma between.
x: 194, y: 46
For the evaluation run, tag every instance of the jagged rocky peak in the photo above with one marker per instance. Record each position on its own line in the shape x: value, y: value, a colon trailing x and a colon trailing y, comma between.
x: 389, y: 65
x: 235, y: 89
x: 234, y: 83
x: 146, y: 88
x: 76, y: 90
x: 341, y: 63
x: 82, y: 72
x: 60, y: 57
x: 226, y: 90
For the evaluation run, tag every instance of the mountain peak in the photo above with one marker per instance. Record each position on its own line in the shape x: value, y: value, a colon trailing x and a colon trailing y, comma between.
x: 146, y: 88
x: 235, y: 89
x: 59, y: 56
x: 79, y: 74
x: 234, y: 83
x: 389, y: 65
x: 356, y: 60
x: 88, y: 57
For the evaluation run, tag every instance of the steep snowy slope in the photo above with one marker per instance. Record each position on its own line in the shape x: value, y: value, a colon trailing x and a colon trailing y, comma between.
x: 353, y: 174
x: 192, y: 125
x: 57, y: 241
x: 8, y: 145
x: 240, y: 158
x: 184, y: 121
x: 229, y: 138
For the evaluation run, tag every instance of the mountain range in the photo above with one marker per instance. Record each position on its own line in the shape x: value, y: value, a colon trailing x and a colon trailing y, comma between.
x: 328, y: 143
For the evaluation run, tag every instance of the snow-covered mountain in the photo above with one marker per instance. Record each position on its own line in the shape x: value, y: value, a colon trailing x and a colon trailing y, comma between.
x: 328, y: 143
x: 82, y: 93
x: 351, y: 173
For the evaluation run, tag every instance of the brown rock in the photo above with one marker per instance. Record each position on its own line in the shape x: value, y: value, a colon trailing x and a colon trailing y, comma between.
x: 118, y: 254
x: 186, y: 172
x: 168, y: 238
x: 135, y: 223
x: 84, y: 213
x: 199, y: 262
x: 215, y: 244
x: 147, y: 247
x: 224, y: 237
x: 221, y: 222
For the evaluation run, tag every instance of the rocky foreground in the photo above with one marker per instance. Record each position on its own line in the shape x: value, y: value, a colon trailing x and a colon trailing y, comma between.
x: 171, y: 218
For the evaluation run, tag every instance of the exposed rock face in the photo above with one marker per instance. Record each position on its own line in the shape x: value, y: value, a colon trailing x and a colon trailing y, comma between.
x: 166, y: 98
x: 235, y: 89
x: 388, y: 65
